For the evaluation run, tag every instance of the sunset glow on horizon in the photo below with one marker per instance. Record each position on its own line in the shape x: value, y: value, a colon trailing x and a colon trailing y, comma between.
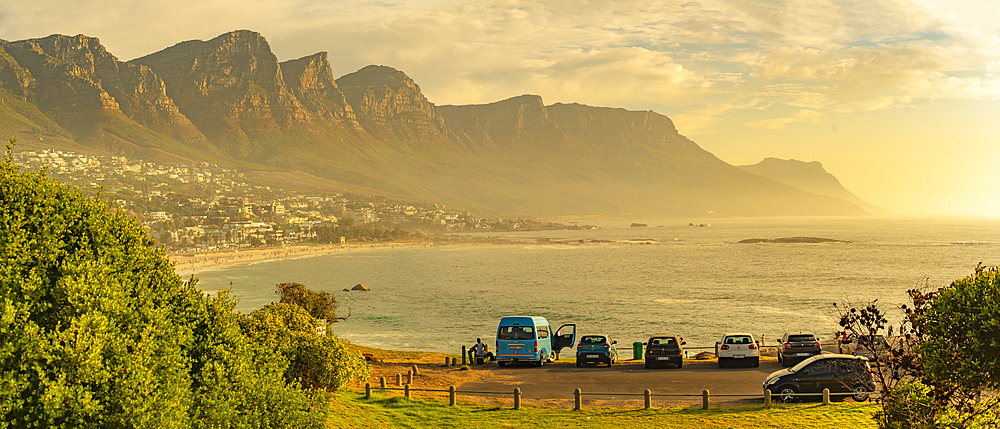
x: 897, y: 99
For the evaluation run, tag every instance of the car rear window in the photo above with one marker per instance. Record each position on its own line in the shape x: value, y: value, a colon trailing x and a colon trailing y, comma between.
x: 592, y: 339
x: 663, y: 342
x: 516, y: 333
x: 801, y: 338
x: 738, y: 339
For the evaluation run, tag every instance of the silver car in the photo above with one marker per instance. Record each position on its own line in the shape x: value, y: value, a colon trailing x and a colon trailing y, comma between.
x: 858, y: 345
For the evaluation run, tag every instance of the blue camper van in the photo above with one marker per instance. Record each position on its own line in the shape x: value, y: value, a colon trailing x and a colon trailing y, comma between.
x: 531, y: 339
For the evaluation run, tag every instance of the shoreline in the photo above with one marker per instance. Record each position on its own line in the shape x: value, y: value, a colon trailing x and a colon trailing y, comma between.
x: 187, y: 264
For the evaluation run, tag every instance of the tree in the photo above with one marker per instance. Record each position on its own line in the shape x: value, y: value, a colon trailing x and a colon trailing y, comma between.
x: 320, y: 305
x: 315, y: 361
x: 960, y: 335
x: 96, y: 329
x: 942, y: 355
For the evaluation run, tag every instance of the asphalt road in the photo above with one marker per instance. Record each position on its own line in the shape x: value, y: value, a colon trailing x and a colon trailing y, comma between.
x: 558, y: 381
x: 554, y: 383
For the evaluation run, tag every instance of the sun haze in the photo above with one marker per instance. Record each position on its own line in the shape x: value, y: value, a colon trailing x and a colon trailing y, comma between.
x: 897, y: 99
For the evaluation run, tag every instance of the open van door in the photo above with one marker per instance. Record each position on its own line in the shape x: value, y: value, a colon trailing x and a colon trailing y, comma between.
x: 565, y: 337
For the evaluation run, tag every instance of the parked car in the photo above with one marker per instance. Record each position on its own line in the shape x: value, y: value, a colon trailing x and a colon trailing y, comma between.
x: 738, y: 346
x: 797, y: 347
x: 664, y: 349
x: 596, y: 349
x: 859, y: 345
x: 530, y: 338
x: 838, y: 372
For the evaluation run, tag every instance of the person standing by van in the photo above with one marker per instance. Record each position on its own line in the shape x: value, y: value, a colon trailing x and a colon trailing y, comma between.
x: 480, y: 350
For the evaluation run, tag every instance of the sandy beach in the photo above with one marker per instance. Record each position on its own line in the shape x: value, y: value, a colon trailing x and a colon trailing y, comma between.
x: 186, y: 264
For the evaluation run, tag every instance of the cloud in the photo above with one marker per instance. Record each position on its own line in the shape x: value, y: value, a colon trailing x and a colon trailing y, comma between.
x: 804, y: 115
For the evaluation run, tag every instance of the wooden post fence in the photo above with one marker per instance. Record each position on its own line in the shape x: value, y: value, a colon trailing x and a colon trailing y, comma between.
x: 704, y: 399
x: 517, y: 398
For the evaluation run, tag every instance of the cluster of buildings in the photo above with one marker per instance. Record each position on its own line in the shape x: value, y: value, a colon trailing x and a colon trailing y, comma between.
x: 202, y: 207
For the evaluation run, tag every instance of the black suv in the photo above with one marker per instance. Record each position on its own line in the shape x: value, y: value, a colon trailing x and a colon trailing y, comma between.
x: 797, y: 347
x: 664, y: 350
x: 839, y: 373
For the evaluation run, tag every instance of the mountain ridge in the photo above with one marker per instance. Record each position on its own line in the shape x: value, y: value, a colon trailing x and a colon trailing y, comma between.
x: 230, y: 100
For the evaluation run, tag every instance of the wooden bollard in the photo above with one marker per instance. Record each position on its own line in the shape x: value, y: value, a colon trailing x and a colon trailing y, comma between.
x: 704, y: 399
x: 649, y: 398
x: 409, y: 376
x: 368, y: 390
x: 579, y: 399
x: 767, y: 397
x: 382, y: 383
x: 463, y: 355
x: 451, y: 395
x: 399, y: 379
x: 447, y: 360
x: 826, y: 396
x: 453, y: 361
x: 406, y: 391
x: 415, y: 370
x: 517, y: 398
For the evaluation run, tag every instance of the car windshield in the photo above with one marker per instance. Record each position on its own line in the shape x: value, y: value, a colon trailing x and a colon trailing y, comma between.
x: 516, y: 333
x: 593, y: 339
x: 662, y: 342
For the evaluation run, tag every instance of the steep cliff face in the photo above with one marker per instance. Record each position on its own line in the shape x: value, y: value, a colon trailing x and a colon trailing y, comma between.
x: 231, y: 87
x: 520, y: 124
x: 312, y: 82
x: 229, y: 98
x: 389, y: 105
x: 808, y: 176
x: 75, y: 79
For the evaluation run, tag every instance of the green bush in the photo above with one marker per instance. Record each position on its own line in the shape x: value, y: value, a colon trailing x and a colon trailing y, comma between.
x: 315, y: 361
x: 96, y: 329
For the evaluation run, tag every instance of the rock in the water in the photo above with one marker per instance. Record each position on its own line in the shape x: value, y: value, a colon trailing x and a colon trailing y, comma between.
x: 361, y: 287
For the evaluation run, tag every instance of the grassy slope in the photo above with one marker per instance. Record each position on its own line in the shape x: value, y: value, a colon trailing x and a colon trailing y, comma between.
x: 351, y: 410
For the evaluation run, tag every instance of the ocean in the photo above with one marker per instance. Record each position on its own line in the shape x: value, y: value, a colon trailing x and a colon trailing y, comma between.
x: 628, y: 282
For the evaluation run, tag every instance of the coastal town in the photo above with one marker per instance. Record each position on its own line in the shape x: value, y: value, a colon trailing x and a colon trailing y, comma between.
x: 201, y: 207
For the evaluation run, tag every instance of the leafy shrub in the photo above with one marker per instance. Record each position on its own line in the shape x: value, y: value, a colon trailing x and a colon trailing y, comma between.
x: 315, y: 361
x: 96, y: 329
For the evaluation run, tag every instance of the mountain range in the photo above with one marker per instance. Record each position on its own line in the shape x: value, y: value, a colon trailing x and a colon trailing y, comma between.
x: 230, y: 101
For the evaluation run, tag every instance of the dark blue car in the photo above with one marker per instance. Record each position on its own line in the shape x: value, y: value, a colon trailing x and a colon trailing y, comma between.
x: 596, y: 349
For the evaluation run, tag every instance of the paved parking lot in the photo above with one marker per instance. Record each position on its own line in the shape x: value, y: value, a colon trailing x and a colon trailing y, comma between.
x: 554, y: 383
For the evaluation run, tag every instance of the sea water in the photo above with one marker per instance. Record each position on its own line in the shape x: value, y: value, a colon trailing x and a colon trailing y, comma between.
x: 697, y: 282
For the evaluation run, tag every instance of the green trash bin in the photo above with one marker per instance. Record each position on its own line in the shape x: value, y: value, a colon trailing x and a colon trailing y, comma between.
x: 637, y: 350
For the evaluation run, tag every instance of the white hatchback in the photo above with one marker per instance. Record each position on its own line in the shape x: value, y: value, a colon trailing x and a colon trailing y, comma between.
x: 738, y: 347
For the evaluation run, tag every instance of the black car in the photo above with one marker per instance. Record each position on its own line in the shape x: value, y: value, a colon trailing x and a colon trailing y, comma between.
x: 839, y: 373
x: 797, y: 347
x: 664, y: 350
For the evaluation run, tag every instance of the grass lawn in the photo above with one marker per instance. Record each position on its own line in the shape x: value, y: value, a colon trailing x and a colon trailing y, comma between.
x: 352, y: 410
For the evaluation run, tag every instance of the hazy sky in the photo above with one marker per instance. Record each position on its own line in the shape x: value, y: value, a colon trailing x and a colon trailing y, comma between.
x: 898, y: 99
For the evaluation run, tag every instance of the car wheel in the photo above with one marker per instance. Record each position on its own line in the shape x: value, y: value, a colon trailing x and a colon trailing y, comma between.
x: 787, y: 393
x: 540, y: 362
x: 647, y: 366
x: 860, y: 393
x: 577, y: 364
x: 721, y: 365
x: 610, y: 360
x: 680, y: 364
x: 756, y: 362
x: 501, y: 363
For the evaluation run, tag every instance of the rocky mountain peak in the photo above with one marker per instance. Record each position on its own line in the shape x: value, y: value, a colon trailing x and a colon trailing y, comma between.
x: 311, y: 79
x: 389, y: 104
